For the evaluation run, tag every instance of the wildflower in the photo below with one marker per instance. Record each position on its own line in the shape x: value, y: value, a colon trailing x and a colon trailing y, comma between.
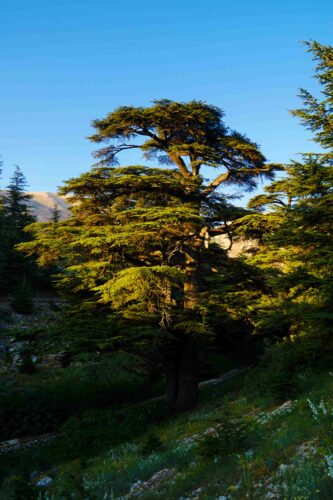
x: 283, y: 468
x: 313, y: 409
x: 329, y: 461
x: 322, y: 407
x: 284, y: 409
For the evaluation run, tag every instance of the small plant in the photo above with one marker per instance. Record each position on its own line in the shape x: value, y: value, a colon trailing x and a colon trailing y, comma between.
x: 320, y: 413
x: 27, y: 366
x: 286, y: 366
x: 70, y: 483
x: 225, y: 439
x: 22, y: 299
x: 151, y: 443
x: 18, y: 487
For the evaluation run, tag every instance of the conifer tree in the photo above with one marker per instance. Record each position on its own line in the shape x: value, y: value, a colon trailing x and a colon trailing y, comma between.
x: 55, y: 214
x: 295, y: 224
x: 2, y: 252
x: 138, y: 235
x: 16, y: 216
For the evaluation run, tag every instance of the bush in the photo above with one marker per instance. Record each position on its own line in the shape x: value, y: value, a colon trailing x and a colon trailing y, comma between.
x: 22, y: 299
x: 284, y: 364
x: 32, y: 413
x: 93, y: 431
x: 229, y: 437
x: 27, y: 366
x: 151, y: 443
x: 18, y: 488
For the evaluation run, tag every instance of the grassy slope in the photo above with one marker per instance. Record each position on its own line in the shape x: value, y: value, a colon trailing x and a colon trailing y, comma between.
x: 282, y: 454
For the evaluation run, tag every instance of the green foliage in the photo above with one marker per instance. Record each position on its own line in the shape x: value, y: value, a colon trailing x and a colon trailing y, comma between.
x: 295, y: 230
x: 136, y: 237
x: 85, y: 434
x: 17, y: 487
x: 15, y: 215
x: 22, y: 298
x: 316, y: 113
x: 71, y: 483
x: 226, y: 437
x: 33, y: 413
x: 285, y: 364
x: 283, y: 451
x: 141, y: 286
x: 151, y: 443
x: 38, y: 399
x: 171, y: 131
x: 26, y: 365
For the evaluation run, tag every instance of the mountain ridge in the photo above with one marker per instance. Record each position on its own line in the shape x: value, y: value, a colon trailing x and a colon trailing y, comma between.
x: 42, y: 203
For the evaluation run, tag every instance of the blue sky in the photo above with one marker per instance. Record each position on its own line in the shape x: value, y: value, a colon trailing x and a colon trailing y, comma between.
x: 65, y: 63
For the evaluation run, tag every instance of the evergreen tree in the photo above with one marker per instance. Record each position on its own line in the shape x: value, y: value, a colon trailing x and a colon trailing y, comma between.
x: 55, y: 214
x: 15, y: 217
x: 2, y: 250
x: 137, y: 235
x: 22, y: 297
x: 296, y: 227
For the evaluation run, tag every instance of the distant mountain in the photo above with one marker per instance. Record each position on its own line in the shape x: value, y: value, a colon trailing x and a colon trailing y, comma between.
x: 42, y: 204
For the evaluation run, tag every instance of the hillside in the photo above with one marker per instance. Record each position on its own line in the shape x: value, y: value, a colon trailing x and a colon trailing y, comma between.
x: 235, y: 445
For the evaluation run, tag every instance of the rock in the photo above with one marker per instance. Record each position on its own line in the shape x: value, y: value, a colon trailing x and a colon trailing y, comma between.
x: 135, y: 486
x: 211, y: 431
x: 283, y: 468
x: 156, y: 480
x: 34, y: 475
x: 196, y: 493
x: 45, y: 482
x: 11, y: 442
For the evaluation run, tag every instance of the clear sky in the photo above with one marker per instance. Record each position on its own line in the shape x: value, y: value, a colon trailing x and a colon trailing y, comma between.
x: 64, y: 63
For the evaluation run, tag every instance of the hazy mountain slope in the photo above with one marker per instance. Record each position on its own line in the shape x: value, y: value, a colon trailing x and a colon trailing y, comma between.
x: 43, y: 202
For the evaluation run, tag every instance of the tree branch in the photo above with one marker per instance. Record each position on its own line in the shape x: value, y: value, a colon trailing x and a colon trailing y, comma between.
x: 180, y: 164
x: 216, y: 182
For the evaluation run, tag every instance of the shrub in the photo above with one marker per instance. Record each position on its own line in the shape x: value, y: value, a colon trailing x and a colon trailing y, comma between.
x: 151, y: 443
x: 284, y: 364
x: 32, y: 413
x: 93, y: 431
x: 27, y: 366
x: 227, y: 437
x: 18, y: 487
x: 22, y: 299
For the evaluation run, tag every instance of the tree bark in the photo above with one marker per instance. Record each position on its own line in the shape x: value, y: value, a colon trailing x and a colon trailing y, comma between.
x: 181, y: 360
x: 191, y: 280
x: 171, y: 376
x: 181, y: 374
x: 187, y: 394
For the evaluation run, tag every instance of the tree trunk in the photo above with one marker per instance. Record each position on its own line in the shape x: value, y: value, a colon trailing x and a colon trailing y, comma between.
x: 171, y: 363
x: 191, y: 282
x: 181, y: 361
x: 181, y: 374
x: 187, y: 394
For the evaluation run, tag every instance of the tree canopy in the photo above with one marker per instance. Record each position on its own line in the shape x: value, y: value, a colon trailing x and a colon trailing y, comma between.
x: 138, y: 236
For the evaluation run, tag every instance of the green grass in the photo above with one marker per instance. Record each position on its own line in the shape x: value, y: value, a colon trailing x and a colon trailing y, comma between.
x: 283, y: 453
